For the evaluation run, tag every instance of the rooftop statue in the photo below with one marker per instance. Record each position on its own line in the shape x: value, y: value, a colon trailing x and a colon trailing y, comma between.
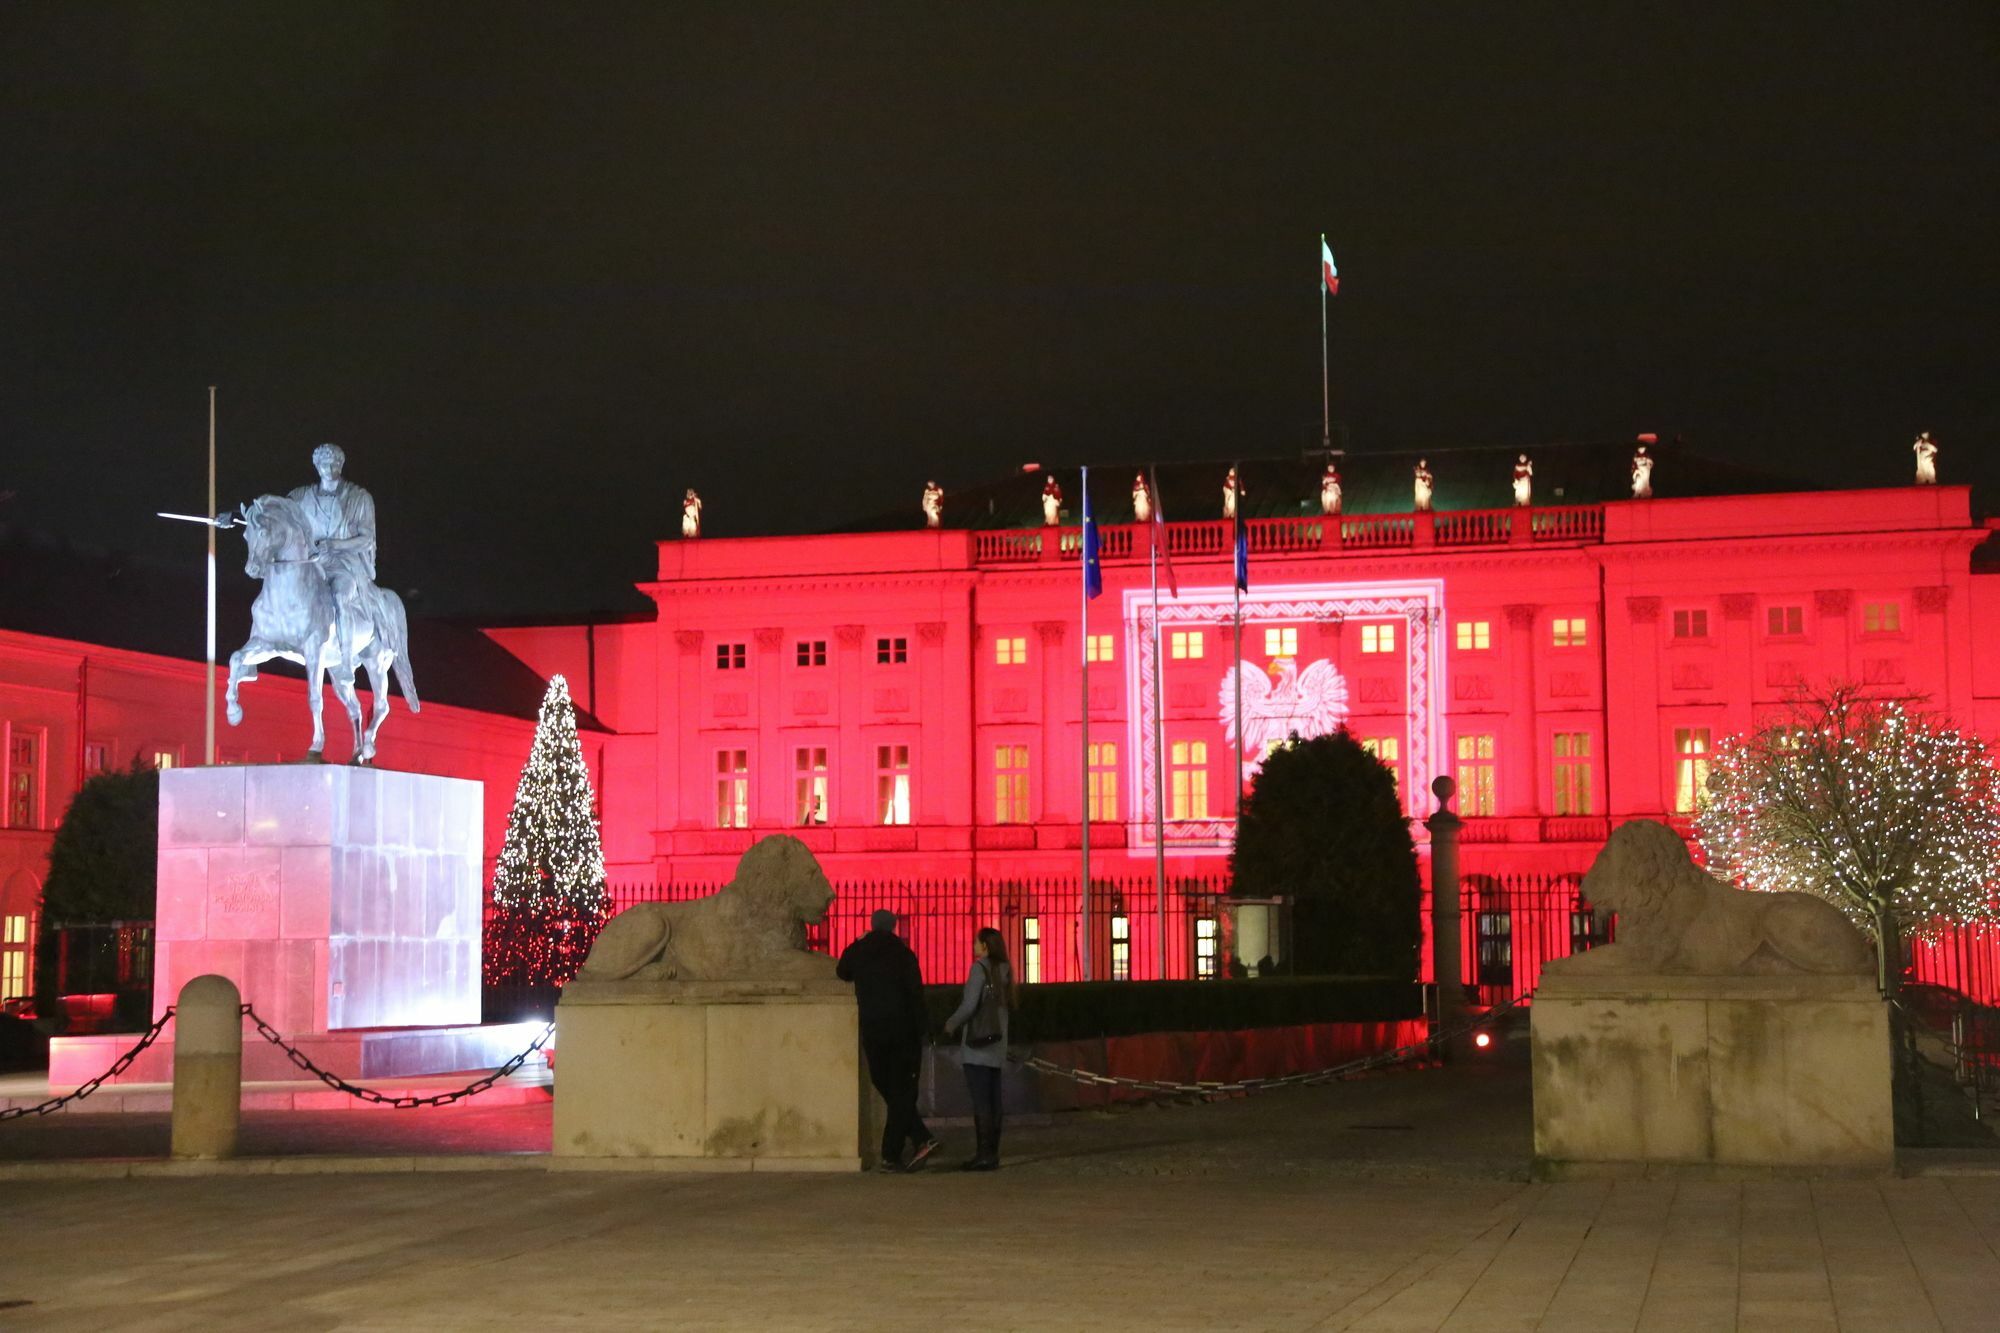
x: 315, y: 552
x: 1642, y: 474
x: 1142, y: 500
x: 1051, y: 503
x: 1423, y: 480
x: 933, y: 505
x: 1524, y: 483
x: 1232, y: 492
x: 1673, y: 916
x: 691, y: 514
x: 1329, y: 491
x: 1926, y: 451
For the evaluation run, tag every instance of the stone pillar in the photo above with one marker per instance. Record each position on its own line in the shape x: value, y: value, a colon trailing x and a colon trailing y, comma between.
x: 208, y: 1067
x: 1447, y: 969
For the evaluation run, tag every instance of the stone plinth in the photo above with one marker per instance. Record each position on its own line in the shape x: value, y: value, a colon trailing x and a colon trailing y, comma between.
x: 334, y: 897
x: 1657, y: 1073
x: 709, y: 1075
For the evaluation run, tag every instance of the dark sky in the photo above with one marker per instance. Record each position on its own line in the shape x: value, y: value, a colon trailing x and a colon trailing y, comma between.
x: 540, y: 267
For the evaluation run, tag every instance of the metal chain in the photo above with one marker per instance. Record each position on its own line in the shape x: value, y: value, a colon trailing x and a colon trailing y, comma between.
x: 118, y: 1066
x: 1249, y: 1085
x: 339, y: 1084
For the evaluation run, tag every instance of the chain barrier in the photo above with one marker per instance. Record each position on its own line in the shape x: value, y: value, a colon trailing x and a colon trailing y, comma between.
x: 1172, y: 1087
x: 118, y: 1066
x: 339, y: 1084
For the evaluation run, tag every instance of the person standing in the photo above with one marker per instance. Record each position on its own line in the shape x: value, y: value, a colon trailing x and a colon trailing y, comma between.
x: 983, y: 1016
x: 889, y: 992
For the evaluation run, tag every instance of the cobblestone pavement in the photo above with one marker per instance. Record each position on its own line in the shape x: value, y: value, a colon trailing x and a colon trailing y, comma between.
x: 1391, y: 1203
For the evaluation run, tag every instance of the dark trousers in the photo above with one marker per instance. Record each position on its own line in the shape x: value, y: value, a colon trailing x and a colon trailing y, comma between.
x: 893, y: 1068
x: 983, y: 1083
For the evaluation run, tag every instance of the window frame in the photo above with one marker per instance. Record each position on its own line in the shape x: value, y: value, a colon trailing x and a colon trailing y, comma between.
x: 892, y: 650
x: 1479, y: 639
x: 732, y: 788
x: 809, y: 653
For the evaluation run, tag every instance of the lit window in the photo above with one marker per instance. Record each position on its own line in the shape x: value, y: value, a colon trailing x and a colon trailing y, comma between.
x: 1783, y: 621
x: 1097, y: 648
x: 1103, y: 781
x: 891, y: 652
x: 1206, y: 943
x: 809, y: 784
x: 96, y: 758
x: 14, y: 930
x: 812, y: 652
x: 166, y: 759
x: 1184, y: 645
x: 1378, y: 638
x: 1495, y: 933
x: 24, y: 764
x: 1690, y: 769
x: 1188, y: 797
x: 1572, y: 772
x: 1010, y: 784
x: 13, y: 974
x: 1031, y: 949
x: 1691, y: 624
x: 732, y: 789
x: 892, y: 784
x: 1569, y: 633
x: 1475, y: 775
x: 1281, y: 642
x: 1881, y: 617
x: 731, y: 656
x: 1388, y: 750
x: 1010, y: 651
x: 1121, y: 948
x: 1475, y: 636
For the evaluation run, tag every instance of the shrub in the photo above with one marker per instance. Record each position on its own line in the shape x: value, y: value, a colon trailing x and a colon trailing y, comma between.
x: 1076, y: 1010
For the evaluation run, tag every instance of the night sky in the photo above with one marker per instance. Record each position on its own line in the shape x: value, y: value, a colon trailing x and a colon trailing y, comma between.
x: 541, y: 267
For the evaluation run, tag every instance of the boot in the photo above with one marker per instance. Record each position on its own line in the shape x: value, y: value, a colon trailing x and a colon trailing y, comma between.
x: 980, y: 1133
x: 992, y: 1153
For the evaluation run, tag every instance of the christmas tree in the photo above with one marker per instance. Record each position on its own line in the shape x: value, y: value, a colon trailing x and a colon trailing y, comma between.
x: 549, y: 899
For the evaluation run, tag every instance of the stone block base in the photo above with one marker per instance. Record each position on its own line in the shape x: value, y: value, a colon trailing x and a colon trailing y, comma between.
x: 733, y: 1075
x: 1642, y: 1074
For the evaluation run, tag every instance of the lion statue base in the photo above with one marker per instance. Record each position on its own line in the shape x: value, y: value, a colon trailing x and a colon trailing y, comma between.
x: 753, y: 929
x: 1675, y: 917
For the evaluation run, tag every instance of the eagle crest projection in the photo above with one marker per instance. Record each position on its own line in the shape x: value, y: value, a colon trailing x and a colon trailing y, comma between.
x: 1298, y: 703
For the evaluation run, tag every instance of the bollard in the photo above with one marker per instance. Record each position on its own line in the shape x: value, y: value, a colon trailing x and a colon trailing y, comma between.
x: 208, y: 1068
x: 1447, y: 971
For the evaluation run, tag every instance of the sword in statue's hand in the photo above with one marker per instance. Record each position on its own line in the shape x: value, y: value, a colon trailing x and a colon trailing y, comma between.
x: 222, y: 521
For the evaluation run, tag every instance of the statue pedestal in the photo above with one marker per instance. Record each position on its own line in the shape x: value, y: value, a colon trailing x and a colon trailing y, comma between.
x: 1668, y: 1074
x: 714, y: 1075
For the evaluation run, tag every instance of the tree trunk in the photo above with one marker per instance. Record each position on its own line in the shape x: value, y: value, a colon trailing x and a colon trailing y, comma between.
x: 1888, y: 951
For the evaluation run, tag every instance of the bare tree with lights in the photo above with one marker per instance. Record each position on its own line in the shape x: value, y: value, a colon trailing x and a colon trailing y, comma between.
x: 1889, y: 813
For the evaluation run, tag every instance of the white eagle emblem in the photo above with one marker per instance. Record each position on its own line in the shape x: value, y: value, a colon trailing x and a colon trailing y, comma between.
x: 1305, y: 704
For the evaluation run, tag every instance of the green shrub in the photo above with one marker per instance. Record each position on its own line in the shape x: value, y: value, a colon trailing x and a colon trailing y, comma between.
x: 1076, y: 1010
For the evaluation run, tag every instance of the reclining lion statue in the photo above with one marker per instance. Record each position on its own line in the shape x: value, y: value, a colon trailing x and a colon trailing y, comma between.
x: 1673, y: 916
x: 752, y: 929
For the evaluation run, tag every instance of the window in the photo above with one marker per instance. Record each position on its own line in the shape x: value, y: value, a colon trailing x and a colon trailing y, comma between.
x: 812, y: 652
x: 1378, y: 638
x: 1475, y: 775
x: 1570, y: 632
x: 1010, y: 651
x: 1881, y: 617
x: 1184, y: 645
x: 1585, y: 930
x: 1189, y: 789
x: 891, y: 652
x: 1691, y: 624
x: 1097, y: 648
x: 1121, y: 948
x: 1690, y: 769
x: 731, y: 656
x: 96, y: 758
x: 14, y: 958
x: 1281, y: 642
x: 166, y: 759
x: 892, y: 784
x: 1572, y: 772
x: 1389, y: 750
x: 1103, y: 781
x: 24, y: 764
x: 1031, y: 949
x: 809, y: 783
x: 1475, y: 636
x: 1010, y: 784
x: 732, y: 789
x: 1496, y: 947
x: 1206, y: 942
x: 1784, y: 621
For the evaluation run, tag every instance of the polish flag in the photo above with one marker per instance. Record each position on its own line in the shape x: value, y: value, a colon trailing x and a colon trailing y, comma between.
x: 1327, y: 272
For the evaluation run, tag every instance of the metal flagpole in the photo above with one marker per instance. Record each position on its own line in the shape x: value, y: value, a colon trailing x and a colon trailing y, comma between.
x: 208, y: 671
x: 1159, y: 756
x: 1325, y: 382
x: 1083, y: 564
x: 1236, y: 667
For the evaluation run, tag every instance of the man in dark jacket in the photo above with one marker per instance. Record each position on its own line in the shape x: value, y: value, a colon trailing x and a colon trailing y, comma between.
x: 889, y: 991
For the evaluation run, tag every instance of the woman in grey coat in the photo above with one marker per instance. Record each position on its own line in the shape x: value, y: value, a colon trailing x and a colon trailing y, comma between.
x: 982, y: 1015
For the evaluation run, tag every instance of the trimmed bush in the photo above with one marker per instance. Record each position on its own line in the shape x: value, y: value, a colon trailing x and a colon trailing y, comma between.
x: 1077, y: 1010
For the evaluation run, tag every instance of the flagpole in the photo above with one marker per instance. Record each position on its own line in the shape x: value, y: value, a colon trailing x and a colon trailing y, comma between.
x: 1159, y: 756
x: 208, y: 671
x: 1236, y: 667
x: 1083, y: 564
x: 1325, y: 381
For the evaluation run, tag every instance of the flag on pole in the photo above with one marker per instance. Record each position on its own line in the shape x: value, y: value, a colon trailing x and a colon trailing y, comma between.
x: 1158, y: 529
x: 1328, y: 274
x: 1093, y: 566
x: 1242, y: 549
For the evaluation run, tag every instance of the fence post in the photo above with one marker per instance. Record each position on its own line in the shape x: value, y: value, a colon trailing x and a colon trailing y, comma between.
x: 1446, y: 973
x: 208, y: 1068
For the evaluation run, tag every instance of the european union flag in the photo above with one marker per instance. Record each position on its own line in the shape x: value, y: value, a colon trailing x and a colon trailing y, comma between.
x: 1093, y: 568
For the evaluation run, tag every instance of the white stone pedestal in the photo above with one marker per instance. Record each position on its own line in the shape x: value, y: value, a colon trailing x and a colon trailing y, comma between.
x: 1657, y: 1074
x: 709, y: 1076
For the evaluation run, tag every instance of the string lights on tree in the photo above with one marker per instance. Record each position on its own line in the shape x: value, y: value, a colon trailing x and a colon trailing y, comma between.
x: 549, y: 896
x: 1890, y: 814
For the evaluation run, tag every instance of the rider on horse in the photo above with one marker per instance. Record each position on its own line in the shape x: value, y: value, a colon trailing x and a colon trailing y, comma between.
x: 342, y: 516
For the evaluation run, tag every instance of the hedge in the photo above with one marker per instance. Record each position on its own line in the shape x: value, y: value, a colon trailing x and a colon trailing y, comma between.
x: 1076, y: 1010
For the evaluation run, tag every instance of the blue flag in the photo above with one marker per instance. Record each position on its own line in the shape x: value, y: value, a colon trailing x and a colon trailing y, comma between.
x: 1093, y: 568
x: 1242, y: 550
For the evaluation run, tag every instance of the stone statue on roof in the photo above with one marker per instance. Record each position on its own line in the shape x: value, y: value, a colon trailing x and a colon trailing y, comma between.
x: 1642, y: 474
x: 933, y: 505
x: 1422, y: 485
x: 1142, y: 500
x: 691, y: 514
x: 1524, y: 482
x: 1051, y: 503
x: 1926, y: 451
x: 1329, y: 490
x: 1232, y: 492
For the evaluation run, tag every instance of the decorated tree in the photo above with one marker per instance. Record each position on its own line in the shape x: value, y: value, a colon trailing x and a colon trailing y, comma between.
x: 1890, y: 814
x: 549, y: 898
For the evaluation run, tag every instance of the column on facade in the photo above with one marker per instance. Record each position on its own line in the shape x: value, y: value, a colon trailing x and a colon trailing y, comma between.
x: 1832, y: 626
x: 1635, y: 774
x: 680, y: 727
x: 1739, y: 658
x: 770, y: 761
x: 940, y: 662
x: 1048, y: 765
x: 854, y: 759
x: 1520, y: 763
x: 1936, y: 643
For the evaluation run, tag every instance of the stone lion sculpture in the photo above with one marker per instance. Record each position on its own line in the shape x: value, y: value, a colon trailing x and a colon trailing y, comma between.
x: 1673, y: 916
x: 751, y: 930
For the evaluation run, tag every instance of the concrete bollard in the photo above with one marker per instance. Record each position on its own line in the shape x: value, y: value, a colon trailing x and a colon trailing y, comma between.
x: 208, y: 1067
x: 1446, y: 965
